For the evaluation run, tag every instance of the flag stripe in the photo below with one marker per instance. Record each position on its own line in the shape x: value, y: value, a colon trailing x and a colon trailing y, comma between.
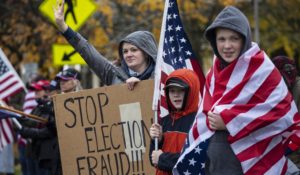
x: 273, y: 115
x: 268, y: 160
x: 242, y: 89
x: 29, y: 102
x: 258, y: 110
x: 6, y: 132
x: 247, y: 93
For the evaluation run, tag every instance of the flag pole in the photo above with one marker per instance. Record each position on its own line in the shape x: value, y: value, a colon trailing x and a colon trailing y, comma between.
x: 158, y: 69
x: 40, y: 119
x: 156, y: 139
x: 17, y: 123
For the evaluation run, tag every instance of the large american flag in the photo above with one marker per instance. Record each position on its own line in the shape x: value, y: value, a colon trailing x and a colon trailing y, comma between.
x: 257, y: 109
x: 10, y: 83
x: 174, y: 52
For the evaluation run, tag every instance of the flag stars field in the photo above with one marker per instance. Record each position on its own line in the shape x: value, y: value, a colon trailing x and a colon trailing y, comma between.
x: 192, y: 162
x: 198, y: 150
x: 183, y: 40
x: 188, y: 53
x: 202, y: 165
x: 178, y: 28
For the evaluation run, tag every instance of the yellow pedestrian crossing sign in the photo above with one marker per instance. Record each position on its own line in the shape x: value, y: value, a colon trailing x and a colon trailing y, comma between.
x: 76, y: 11
x: 65, y: 54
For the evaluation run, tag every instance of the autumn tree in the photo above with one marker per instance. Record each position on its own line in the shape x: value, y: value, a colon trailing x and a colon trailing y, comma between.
x: 27, y: 36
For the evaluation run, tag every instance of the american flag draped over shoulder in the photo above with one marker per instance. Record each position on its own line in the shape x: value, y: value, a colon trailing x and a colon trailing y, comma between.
x: 10, y: 83
x: 174, y: 52
x: 258, y: 112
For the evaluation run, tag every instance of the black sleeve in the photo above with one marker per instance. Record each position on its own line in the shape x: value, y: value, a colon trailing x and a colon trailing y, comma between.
x: 167, y: 161
x: 36, y: 133
x: 69, y: 33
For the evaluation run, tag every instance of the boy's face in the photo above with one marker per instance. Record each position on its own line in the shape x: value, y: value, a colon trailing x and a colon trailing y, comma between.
x: 229, y: 44
x: 176, y: 95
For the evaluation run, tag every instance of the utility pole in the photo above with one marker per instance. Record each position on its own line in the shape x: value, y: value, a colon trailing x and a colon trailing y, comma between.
x: 256, y: 19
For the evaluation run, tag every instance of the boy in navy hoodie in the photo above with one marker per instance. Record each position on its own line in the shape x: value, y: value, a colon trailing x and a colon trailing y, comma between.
x: 182, y: 94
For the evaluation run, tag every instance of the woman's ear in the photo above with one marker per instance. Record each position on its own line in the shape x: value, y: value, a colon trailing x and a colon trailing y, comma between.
x: 147, y: 57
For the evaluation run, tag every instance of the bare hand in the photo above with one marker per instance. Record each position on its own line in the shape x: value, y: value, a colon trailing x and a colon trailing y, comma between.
x: 156, y: 131
x: 131, y: 82
x: 215, y: 121
x: 155, y: 156
x: 59, y: 15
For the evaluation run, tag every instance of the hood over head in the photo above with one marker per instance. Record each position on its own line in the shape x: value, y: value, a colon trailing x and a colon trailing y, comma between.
x: 189, y: 80
x: 145, y: 41
x: 233, y: 19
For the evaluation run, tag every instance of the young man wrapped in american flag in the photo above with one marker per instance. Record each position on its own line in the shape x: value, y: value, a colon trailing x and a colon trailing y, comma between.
x: 247, y: 112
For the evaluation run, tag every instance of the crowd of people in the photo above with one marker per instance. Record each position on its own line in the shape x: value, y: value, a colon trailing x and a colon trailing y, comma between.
x: 41, y: 154
x: 230, y: 38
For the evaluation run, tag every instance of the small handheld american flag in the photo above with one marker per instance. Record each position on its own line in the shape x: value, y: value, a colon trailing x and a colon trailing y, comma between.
x: 10, y: 82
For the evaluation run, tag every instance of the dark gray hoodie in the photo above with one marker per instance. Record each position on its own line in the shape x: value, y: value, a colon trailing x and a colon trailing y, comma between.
x: 108, y: 73
x: 230, y: 18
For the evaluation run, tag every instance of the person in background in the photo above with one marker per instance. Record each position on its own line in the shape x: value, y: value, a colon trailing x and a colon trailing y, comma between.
x: 28, y: 105
x: 44, y: 139
x: 32, y: 145
x: 69, y: 80
x: 288, y: 70
x: 137, y: 52
x: 182, y: 93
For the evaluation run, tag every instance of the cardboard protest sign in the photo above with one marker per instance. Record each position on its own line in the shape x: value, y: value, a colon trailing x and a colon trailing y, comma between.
x: 105, y: 131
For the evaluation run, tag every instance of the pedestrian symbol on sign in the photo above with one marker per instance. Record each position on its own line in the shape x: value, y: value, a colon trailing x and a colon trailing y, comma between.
x: 76, y: 11
x: 70, y: 9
